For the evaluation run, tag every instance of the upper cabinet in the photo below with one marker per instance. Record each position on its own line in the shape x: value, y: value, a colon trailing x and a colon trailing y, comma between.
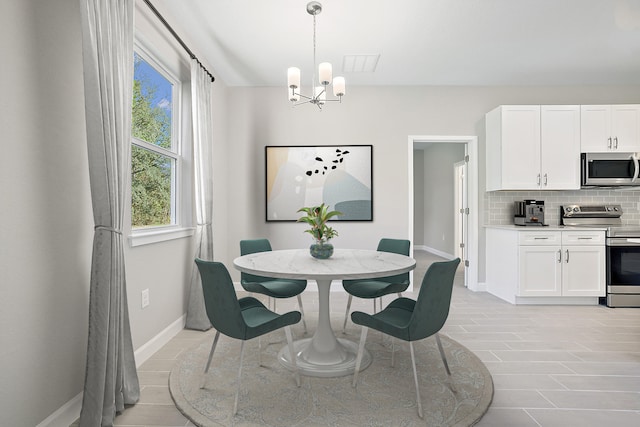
x: 533, y: 147
x: 608, y: 128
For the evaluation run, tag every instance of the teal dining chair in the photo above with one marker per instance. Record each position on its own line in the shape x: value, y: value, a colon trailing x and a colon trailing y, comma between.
x: 381, y: 286
x: 413, y: 320
x: 242, y: 319
x: 272, y: 287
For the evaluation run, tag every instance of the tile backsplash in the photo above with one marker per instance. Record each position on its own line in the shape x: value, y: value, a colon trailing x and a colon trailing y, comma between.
x: 499, y: 204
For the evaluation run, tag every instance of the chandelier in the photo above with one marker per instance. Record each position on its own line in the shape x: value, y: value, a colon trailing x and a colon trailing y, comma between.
x: 319, y: 93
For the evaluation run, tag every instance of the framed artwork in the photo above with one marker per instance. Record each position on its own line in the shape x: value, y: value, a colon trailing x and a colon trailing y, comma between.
x: 338, y: 175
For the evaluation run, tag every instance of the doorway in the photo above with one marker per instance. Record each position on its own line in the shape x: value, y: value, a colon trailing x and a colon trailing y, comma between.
x: 470, y: 260
x: 460, y: 208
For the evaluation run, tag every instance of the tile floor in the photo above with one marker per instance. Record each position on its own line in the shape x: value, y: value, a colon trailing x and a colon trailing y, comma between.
x: 551, y: 365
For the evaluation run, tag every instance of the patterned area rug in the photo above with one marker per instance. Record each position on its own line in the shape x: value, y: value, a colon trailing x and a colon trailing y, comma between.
x: 385, y: 396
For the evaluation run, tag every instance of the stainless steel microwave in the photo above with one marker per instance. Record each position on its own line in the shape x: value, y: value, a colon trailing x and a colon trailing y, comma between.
x: 609, y: 169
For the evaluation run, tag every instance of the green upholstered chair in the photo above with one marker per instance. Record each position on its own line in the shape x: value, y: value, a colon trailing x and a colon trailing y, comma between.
x: 411, y: 320
x: 272, y: 287
x: 243, y: 318
x: 378, y: 287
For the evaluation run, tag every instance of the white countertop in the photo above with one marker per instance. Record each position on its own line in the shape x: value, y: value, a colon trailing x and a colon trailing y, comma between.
x: 544, y: 228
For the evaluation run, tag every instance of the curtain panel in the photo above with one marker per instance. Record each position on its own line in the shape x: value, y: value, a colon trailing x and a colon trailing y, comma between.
x: 202, y: 139
x: 111, y: 379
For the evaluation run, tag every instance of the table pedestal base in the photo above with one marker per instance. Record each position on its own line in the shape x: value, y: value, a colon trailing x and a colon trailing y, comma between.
x: 339, y: 362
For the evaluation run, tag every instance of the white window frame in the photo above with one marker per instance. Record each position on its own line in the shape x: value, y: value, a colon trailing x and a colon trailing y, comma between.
x: 181, y: 215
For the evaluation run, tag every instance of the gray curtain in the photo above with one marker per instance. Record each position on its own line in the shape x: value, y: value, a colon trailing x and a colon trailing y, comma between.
x: 111, y: 380
x: 202, y: 140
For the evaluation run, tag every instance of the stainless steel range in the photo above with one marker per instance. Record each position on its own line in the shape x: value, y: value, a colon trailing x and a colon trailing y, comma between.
x: 622, y: 249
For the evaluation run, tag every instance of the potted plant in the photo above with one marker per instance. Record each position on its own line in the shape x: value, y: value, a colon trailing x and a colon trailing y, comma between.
x: 317, y: 217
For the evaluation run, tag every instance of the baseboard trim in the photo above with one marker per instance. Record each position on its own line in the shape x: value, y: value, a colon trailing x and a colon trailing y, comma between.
x: 148, y: 349
x: 434, y: 251
x: 68, y: 413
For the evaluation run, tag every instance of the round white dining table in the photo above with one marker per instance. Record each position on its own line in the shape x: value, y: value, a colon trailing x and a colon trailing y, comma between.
x: 324, y: 355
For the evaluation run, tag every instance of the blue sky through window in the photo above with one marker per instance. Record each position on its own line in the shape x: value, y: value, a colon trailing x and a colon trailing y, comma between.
x: 153, y: 82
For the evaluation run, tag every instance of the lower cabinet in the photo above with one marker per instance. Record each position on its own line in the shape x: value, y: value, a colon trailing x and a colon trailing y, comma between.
x: 546, y: 266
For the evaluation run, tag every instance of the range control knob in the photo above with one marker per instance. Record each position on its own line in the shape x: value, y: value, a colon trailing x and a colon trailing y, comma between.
x: 568, y: 209
x: 576, y: 209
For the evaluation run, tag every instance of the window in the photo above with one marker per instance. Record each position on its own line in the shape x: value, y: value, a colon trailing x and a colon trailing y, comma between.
x: 154, y: 150
x: 157, y: 172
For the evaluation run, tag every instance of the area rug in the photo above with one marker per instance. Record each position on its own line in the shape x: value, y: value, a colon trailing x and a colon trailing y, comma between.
x: 385, y: 395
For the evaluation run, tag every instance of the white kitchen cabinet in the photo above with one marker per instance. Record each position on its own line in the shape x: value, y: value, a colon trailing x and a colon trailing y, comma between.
x: 533, y: 147
x: 606, y: 128
x: 546, y: 267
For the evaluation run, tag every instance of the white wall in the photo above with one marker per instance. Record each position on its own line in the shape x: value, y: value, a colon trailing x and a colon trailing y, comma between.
x: 382, y: 116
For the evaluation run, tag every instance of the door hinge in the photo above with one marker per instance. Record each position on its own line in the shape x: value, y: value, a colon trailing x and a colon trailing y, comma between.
x: 462, y: 245
x: 466, y: 158
x: 466, y: 263
x: 466, y: 211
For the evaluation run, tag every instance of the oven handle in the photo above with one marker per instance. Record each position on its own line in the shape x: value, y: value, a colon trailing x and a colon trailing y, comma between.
x: 623, y: 241
x: 634, y: 158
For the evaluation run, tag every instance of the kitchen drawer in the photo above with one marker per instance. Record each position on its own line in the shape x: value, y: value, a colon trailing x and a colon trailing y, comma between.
x: 587, y: 237
x: 539, y: 238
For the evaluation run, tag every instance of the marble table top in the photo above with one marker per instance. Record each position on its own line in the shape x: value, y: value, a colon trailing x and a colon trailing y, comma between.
x: 343, y: 264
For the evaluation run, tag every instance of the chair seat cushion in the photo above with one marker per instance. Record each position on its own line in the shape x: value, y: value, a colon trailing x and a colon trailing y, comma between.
x: 261, y: 320
x: 393, y: 320
x: 276, y: 288
x: 373, y: 288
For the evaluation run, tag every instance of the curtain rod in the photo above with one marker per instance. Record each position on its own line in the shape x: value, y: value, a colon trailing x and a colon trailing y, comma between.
x: 173, y: 33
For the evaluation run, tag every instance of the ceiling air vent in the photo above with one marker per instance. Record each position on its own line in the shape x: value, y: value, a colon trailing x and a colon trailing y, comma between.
x: 360, y: 63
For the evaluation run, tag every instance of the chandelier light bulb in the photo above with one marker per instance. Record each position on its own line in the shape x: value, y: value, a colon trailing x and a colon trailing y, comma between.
x: 339, y: 86
x: 324, y: 73
x: 293, y: 77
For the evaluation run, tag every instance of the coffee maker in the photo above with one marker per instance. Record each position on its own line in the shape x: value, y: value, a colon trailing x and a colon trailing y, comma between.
x: 529, y: 212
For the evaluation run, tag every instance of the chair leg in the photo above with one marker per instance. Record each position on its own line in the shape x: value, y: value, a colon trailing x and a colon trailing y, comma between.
x: 415, y: 377
x: 304, y: 322
x: 292, y: 354
x: 374, y: 306
x: 444, y: 358
x: 346, y: 315
x: 235, y: 403
x: 206, y: 368
x: 363, y: 338
x: 260, y: 350
x: 393, y: 351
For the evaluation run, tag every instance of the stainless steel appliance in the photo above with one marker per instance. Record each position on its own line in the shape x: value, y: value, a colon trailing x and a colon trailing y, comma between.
x: 609, y: 169
x: 622, y: 250
x: 529, y: 212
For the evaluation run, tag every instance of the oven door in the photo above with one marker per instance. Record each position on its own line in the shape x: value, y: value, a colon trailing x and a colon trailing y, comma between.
x: 623, y: 272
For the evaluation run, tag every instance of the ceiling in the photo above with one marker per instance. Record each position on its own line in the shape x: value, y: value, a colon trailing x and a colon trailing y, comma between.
x: 420, y: 42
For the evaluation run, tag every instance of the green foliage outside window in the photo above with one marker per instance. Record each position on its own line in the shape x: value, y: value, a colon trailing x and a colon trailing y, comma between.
x: 151, y: 172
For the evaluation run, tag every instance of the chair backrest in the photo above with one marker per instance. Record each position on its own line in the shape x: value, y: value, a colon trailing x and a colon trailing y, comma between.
x: 396, y: 246
x: 250, y: 247
x: 434, y: 299
x: 220, y: 299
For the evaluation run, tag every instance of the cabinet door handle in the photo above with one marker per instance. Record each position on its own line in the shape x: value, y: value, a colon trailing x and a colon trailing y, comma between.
x: 567, y: 255
x: 585, y: 238
x: 540, y: 238
x: 609, y: 144
x: 538, y: 180
x: 559, y: 256
x: 615, y: 142
x: 545, y: 179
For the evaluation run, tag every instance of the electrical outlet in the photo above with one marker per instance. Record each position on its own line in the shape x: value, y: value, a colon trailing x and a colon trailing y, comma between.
x: 145, y: 298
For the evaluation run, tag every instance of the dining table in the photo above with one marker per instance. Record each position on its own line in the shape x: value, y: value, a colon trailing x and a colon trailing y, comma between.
x: 324, y: 354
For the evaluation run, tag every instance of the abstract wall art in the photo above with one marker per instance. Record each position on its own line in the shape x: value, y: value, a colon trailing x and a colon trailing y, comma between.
x: 338, y: 175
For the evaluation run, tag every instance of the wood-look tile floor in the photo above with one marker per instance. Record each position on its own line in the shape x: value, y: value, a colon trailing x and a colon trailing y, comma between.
x: 551, y: 365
